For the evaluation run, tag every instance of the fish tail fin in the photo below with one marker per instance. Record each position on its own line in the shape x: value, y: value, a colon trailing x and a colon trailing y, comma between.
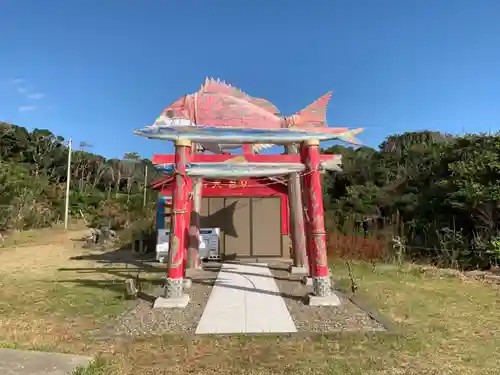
x: 314, y: 115
x: 349, y: 136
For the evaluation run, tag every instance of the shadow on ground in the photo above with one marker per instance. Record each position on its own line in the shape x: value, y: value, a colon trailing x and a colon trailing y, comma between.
x: 124, y: 264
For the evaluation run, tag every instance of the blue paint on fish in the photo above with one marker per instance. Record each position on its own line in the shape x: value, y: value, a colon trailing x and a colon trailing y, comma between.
x: 227, y: 135
x: 234, y: 169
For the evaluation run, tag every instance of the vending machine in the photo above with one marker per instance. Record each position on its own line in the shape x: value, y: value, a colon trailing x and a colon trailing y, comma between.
x: 209, y: 244
x: 209, y: 237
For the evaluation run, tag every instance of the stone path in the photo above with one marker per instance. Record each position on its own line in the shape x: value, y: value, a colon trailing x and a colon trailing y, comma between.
x: 245, y: 299
x: 21, y: 362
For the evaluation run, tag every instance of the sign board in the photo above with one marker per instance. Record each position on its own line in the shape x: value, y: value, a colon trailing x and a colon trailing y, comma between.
x: 232, y: 184
x: 209, y: 244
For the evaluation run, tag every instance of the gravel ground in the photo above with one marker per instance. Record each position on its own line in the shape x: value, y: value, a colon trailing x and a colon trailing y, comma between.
x: 143, y: 320
x: 347, y: 317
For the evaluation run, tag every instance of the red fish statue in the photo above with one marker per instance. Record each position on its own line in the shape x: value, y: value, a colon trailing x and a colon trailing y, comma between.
x: 219, y: 104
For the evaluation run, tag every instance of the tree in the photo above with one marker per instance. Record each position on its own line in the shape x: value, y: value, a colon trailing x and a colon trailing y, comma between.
x: 33, y: 176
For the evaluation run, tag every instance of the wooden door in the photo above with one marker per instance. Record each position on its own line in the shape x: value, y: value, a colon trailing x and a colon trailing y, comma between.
x: 266, y: 227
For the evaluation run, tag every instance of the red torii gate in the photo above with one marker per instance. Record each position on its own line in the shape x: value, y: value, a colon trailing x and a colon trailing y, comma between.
x: 311, y: 215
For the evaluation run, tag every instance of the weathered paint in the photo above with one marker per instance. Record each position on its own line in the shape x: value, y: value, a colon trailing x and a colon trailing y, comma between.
x: 220, y: 105
x: 296, y: 216
x: 231, y: 135
x: 305, y: 182
x: 317, y: 239
x: 187, y: 220
x: 194, y: 226
x: 250, y: 158
x: 180, y: 211
x: 233, y: 170
x: 248, y: 149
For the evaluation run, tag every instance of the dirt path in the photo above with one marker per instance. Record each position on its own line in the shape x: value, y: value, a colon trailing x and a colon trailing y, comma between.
x: 43, y: 258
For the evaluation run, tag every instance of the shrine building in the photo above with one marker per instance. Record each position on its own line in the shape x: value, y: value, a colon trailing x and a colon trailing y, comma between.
x: 252, y: 214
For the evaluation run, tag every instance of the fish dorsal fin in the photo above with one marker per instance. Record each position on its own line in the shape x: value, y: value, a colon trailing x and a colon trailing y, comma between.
x: 237, y: 160
x: 221, y: 87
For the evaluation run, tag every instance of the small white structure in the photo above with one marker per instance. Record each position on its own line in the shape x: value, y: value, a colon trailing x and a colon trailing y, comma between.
x: 209, y: 244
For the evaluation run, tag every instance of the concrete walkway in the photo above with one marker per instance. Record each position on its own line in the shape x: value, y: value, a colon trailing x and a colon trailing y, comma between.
x: 22, y: 362
x: 245, y: 299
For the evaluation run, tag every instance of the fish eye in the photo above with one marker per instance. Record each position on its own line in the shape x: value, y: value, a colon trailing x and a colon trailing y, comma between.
x: 169, y: 113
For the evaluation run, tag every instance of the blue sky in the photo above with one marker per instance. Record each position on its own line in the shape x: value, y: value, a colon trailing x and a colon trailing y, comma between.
x: 95, y: 70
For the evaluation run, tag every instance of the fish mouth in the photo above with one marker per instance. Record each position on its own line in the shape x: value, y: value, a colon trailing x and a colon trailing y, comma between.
x: 143, y: 131
x: 163, y: 122
x: 146, y: 131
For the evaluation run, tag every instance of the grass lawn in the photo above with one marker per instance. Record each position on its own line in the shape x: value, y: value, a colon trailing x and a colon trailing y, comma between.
x: 446, y: 325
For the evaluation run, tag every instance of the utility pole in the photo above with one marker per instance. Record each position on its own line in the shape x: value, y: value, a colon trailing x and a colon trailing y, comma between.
x: 145, y: 184
x: 68, y: 178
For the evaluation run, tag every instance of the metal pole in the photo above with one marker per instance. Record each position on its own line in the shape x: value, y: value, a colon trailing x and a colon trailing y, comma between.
x: 145, y: 184
x: 68, y: 178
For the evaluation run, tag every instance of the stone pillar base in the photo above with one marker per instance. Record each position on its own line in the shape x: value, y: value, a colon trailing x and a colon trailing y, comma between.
x: 298, y: 270
x: 174, y: 288
x: 331, y: 300
x: 171, y: 303
x: 174, y: 295
x: 322, y: 286
x: 188, y: 283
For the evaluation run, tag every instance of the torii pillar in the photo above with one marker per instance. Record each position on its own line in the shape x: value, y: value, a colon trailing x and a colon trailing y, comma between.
x: 315, y: 227
x: 193, y: 256
x: 297, y: 230
x: 177, y: 252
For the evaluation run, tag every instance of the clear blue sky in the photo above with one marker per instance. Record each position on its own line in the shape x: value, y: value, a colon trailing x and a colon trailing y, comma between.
x: 95, y: 70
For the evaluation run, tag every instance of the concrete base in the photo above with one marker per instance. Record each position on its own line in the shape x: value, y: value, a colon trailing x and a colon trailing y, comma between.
x: 307, y: 281
x: 187, y: 283
x: 331, y: 300
x: 298, y: 270
x: 171, y: 303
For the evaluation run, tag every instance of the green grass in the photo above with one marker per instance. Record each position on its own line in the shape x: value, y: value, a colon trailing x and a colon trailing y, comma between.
x: 96, y: 367
x: 445, y: 326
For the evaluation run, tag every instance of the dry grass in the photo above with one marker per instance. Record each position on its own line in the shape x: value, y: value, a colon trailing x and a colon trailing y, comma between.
x: 40, y: 236
x: 448, y: 325
x: 53, y: 294
x: 356, y: 246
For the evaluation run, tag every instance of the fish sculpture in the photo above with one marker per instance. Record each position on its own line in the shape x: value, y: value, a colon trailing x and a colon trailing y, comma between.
x: 232, y: 170
x: 219, y: 105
